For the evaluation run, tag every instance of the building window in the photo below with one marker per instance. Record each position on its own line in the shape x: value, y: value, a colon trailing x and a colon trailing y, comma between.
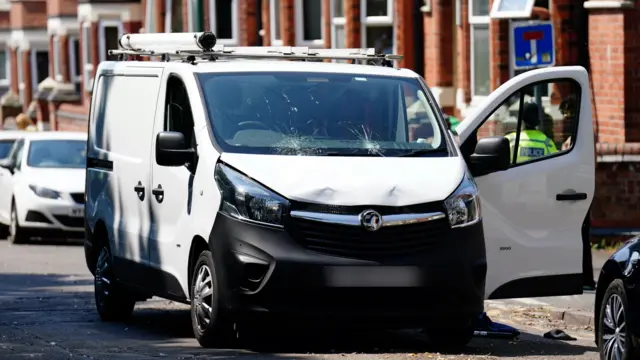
x: 512, y: 9
x: 195, y: 15
x: 109, y: 34
x: 20, y: 59
x: 276, y: 37
x: 57, y: 71
x: 39, y: 67
x: 377, y: 25
x: 150, y: 17
x: 75, y: 68
x: 223, y: 17
x: 173, y: 16
x: 480, y: 67
x: 309, y: 22
x: 87, y: 65
x: 338, y: 36
x: 4, y: 68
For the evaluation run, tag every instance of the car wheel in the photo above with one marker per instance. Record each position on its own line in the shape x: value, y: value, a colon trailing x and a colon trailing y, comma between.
x: 614, y: 339
x: 113, y: 302
x: 450, y: 337
x: 16, y: 233
x: 212, y: 326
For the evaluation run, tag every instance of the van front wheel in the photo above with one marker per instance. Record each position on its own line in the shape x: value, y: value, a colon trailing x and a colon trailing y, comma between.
x: 113, y: 302
x: 211, y: 324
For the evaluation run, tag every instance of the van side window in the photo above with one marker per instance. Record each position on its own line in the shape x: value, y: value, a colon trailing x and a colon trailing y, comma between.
x: 178, y: 116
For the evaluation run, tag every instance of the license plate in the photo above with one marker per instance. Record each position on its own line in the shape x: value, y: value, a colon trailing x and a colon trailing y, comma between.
x: 373, y: 276
x: 77, y: 212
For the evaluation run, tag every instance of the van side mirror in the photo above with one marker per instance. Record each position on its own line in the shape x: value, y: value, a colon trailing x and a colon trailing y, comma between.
x: 172, y: 149
x: 8, y: 164
x: 492, y: 154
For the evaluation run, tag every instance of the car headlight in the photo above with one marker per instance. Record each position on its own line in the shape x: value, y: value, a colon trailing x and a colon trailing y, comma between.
x: 244, y: 199
x: 44, y: 192
x: 463, y: 206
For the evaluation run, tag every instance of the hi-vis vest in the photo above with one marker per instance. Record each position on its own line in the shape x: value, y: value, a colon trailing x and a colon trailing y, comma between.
x: 533, y: 144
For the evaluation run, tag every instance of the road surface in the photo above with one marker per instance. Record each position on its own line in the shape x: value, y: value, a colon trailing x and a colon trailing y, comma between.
x: 47, y: 312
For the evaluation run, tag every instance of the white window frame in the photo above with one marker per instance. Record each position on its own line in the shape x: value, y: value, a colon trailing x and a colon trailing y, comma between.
x: 57, y: 69
x: 101, y: 37
x: 32, y: 64
x: 514, y: 14
x: 87, y: 66
x: 234, y: 22
x: 71, y: 53
x: 336, y: 21
x: 149, y: 17
x: 272, y: 24
x: 7, y: 67
x: 20, y: 68
x: 376, y: 21
x: 473, y: 22
x: 299, y: 19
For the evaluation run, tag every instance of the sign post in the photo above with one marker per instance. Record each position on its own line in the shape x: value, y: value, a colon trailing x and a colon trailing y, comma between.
x: 533, y: 46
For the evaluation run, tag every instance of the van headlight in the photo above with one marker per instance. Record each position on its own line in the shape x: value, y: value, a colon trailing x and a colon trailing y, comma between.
x: 44, y: 192
x: 244, y: 199
x: 463, y: 206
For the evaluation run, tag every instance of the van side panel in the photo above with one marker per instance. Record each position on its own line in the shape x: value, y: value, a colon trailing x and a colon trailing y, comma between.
x: 118, y: 164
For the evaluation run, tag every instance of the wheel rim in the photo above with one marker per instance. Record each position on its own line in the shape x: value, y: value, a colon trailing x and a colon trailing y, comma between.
x: 203, y: 297
x: 614, y: 329
x: 103, y: 276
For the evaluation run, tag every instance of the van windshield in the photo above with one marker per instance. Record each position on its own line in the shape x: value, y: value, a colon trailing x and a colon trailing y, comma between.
x: 321, y: 114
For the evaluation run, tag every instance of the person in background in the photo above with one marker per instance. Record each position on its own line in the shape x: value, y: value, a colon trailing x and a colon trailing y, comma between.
x: 24, y: 123
x: 533, y: 142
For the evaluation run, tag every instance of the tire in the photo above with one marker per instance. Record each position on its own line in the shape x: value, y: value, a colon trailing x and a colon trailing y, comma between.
x: 113, y: 302
x: 212, y: 326
x: 613, y: 323
x: 451, y: 337
x: 17, y: 235
x: 4, y: 231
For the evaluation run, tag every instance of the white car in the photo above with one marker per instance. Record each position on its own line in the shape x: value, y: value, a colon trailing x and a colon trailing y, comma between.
x: 43, y: 193
x: 303, y: 191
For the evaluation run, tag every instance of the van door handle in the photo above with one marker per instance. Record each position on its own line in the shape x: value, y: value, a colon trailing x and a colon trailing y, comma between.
x: 158, y: 193
x: 139, y: 189
x: 571, y: 197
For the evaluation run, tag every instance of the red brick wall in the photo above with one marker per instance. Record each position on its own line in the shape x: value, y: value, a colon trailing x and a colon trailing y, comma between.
x: 266, y: 23
x: 438, y: 44
x: 404, y: 33
x: 617, y: 195
x: 463, y: 52
x: 29, y: 14
x: 499, y: 51
x: 5, y: 20
x: 352, y: 27
x: 287, y: 22
x: 326, y: 22
x: 249, y: 29
x: 62, y: 7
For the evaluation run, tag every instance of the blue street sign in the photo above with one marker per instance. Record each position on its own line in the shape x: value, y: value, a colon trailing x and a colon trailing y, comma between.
x: 533, y: 44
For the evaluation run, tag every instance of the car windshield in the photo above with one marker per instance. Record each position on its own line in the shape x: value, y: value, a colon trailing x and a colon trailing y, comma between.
x: 5, y: 148
x: 69, y: 154
x: 322, y: 114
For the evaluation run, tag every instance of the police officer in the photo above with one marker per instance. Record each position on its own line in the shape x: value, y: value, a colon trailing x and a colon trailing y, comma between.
x: 533, y: 142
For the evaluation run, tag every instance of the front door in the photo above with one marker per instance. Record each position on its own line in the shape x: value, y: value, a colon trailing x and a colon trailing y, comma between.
x: 533, y: 212
x: 172, y: 194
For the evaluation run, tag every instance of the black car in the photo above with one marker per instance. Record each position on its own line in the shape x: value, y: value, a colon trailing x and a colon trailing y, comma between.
x: 617, y: 304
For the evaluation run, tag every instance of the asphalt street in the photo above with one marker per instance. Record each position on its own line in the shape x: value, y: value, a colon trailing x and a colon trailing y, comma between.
x: 47, y: 312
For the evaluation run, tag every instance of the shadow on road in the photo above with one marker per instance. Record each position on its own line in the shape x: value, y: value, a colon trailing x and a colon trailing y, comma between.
x: 61, y: 309
x: 51, y: 241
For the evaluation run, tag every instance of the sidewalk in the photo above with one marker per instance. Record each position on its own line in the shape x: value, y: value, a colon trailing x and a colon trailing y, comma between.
x: 574, y: 310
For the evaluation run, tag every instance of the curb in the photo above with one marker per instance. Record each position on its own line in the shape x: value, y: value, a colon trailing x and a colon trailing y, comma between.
x: 573, y: 317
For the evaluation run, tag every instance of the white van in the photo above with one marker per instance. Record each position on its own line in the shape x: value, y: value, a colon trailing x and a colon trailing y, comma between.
x: 250, y: 186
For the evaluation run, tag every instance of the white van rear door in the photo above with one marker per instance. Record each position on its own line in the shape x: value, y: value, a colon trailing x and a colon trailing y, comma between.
x: 534, y: 211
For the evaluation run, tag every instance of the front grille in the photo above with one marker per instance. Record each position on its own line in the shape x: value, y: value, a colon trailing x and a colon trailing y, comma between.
x: 356, y: 242
x: 70, y: 221
x: 78, y: 197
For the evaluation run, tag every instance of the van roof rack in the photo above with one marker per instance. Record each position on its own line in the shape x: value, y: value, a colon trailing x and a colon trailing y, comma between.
x: 190, y: 46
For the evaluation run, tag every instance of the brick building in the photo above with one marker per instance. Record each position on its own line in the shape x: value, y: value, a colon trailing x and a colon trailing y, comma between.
x: 461, y: 47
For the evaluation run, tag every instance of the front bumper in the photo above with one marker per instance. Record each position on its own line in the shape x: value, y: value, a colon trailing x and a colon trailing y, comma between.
x: 262, y: 270
x: 51, y: 218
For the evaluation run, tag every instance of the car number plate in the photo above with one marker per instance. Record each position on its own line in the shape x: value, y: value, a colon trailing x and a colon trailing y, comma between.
x: 77, y: 212
x: 373, y: 276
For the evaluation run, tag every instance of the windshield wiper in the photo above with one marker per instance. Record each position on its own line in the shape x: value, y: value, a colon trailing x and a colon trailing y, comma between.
x: 421, y: 152
x: 335, y: 153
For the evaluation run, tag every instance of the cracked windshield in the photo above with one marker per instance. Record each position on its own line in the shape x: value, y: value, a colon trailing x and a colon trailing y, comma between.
x: 322, y: 114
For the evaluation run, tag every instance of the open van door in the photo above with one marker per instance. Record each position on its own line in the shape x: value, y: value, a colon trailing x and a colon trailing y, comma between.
x: 533, y: 212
